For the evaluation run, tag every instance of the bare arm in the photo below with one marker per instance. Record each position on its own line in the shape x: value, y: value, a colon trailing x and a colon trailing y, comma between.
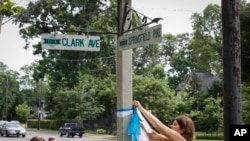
x: 154, y: 135
x: 157, y: 137
x: 170, y: 134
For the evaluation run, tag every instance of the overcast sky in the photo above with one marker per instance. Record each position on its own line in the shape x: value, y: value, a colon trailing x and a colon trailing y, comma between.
x: 175, y: 13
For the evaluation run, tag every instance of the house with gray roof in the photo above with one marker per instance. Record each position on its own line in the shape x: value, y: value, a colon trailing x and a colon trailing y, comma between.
x: 207, y: 80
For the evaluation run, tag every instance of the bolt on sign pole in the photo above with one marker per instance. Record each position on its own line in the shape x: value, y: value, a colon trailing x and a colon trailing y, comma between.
x: 231, y: 64
x: 124, y: 77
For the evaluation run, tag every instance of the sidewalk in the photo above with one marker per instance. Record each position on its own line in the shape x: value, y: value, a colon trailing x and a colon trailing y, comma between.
x: 101, y: 136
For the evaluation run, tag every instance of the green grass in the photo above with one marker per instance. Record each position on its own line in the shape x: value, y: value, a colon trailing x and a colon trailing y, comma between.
x: 219, y: 134
x: 201, y: 136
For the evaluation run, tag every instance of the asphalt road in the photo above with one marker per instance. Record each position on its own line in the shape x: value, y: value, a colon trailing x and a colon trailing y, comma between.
x: 46, y: 134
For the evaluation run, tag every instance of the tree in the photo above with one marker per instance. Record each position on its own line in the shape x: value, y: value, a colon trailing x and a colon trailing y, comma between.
x: 28, y: 87
x: 61, y: 69
x: 80, y: 105
x: 196, y: 52
x: 145, y: 58
x: 23, y: 111
x: 9, y: 92
x: 245, y: 41
x: 175, y: 53
x: 8, y: 8
x: 155, y: 95
x: 158, y: 72
x: 206, y: 43
x: 26, y: 80
x: 195, y: 93
x: 70, y: 17
x: 106, y: 96
x: 213, y: 113
x: 245, y: 103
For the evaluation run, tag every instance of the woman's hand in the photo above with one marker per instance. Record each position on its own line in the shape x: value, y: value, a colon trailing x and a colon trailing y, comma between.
x: 136, y: 103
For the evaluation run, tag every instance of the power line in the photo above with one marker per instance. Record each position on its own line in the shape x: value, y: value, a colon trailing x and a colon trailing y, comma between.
x: 84, y: 60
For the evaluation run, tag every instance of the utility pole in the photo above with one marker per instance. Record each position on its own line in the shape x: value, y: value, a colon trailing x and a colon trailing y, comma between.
x: 6, y: 97
x: 231, y: 64
x: 124, y: 77
x: 39, y: 106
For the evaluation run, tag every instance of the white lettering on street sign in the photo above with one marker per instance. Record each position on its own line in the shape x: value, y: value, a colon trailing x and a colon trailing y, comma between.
x: 70, y: 42
x: 141, y: 38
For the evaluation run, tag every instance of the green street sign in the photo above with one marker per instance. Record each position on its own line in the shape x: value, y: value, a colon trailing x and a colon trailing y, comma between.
x: 70, y: 42
x: 141, y: 38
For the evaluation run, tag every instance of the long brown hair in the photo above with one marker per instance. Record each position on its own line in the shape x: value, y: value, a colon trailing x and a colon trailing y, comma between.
x: 187, y: 124
x: 36, y: 138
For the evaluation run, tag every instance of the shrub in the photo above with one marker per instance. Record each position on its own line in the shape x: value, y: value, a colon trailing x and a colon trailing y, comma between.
x: 101, y: 131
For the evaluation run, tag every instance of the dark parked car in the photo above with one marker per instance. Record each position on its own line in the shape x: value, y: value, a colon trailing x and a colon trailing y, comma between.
x: 13, y: 129
x: 70, y: 130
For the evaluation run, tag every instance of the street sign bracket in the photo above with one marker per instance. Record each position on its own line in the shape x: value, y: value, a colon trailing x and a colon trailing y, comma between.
x: 126, y: 18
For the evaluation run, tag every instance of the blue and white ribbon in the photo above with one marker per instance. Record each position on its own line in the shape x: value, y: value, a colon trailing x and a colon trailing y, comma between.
x: 124, y: 112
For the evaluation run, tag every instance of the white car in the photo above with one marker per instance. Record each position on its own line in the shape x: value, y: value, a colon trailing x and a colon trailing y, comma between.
x: 13, y: 129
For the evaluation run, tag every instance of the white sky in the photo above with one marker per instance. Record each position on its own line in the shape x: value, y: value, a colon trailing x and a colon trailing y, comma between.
x: 175, y: 13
